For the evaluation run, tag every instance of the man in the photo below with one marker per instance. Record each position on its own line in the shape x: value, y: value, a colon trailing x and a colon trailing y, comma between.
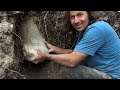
x: 99, y: 45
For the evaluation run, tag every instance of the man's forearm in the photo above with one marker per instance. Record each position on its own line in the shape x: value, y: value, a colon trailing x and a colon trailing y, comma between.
x: 69, y: 60
x: 63, y: 59
x: 62, y: 51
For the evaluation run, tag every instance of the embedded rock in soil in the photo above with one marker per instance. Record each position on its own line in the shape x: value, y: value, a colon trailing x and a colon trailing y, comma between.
x: 32, y: 39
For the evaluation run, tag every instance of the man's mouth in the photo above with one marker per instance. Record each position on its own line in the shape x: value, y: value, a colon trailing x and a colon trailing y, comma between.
x: 78, y: 26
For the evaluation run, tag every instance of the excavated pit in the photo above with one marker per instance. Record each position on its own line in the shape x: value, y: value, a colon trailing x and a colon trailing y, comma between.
x: 54, y: 27
x: 37, y: 27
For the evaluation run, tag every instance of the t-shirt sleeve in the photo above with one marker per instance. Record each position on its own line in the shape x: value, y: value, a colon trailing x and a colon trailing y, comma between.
x: 91, y: 41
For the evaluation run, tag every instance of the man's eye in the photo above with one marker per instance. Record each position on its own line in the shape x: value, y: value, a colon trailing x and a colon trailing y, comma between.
x: 72, y: 17
x: 79, y: 15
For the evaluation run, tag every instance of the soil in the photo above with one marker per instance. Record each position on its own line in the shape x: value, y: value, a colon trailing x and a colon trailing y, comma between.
x: 45, y: 70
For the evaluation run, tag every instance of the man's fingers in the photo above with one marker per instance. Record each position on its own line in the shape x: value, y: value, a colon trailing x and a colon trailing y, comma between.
x: 36, y: 62
x: 34, y: 59
x: 50, y: 50
x: 45, y: 41
x: 39, y: 51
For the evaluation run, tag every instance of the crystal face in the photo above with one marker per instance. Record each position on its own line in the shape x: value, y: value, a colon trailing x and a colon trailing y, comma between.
x: 32, y: 39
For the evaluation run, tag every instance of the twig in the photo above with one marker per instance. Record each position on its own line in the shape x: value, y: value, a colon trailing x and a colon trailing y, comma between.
x: 46, y: 24
x: 15, y: 72
x: 59, y: 38
x: 49, y: 21
x: 56, y: 22
x: 46, y: 15
x: 17, y: 36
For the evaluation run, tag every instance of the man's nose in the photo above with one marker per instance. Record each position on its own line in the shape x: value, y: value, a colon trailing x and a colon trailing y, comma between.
x: 76, y: 20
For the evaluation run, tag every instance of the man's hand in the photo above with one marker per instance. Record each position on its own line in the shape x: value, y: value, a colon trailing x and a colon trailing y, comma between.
x: 57, y: 50
x: 50, y: 47
x: 40, y: 57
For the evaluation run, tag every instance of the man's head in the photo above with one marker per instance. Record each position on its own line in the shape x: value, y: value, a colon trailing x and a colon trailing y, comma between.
x: 79, y: 20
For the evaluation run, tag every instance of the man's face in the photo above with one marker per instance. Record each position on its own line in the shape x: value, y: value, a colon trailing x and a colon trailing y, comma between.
x: 79, y: 20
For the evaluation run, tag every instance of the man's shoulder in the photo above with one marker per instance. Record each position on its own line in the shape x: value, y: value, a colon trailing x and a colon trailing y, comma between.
x: 97, y: 28
x: 96, y: 25
x: 100, y: 24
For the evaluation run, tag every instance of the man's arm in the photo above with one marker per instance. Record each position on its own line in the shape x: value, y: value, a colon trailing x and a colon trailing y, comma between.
x: 69, y: 60
x: 61, y: 50
x: 58, y: 50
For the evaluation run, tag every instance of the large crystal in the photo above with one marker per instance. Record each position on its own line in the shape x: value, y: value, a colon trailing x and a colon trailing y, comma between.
x: 32, y: 39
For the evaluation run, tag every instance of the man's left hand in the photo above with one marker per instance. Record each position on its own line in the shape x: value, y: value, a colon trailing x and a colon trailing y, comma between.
x: 40, y: 57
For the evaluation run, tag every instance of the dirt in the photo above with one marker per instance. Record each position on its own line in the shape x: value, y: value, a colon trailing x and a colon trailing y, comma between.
x: 46, y: 70
x: 7, y: 56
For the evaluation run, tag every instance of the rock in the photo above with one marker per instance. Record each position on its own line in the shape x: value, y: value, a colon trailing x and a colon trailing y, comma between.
x: 32, y: 38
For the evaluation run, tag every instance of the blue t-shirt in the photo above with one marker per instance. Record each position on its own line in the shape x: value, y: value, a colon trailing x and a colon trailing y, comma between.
x: 102, y: 44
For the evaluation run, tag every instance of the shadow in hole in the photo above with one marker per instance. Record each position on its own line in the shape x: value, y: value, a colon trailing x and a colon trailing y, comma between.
x: 36, y: 71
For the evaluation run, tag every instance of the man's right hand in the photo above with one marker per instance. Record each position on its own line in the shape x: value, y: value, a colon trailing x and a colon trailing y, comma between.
x: 57, y: 50
x: 50, y: 47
